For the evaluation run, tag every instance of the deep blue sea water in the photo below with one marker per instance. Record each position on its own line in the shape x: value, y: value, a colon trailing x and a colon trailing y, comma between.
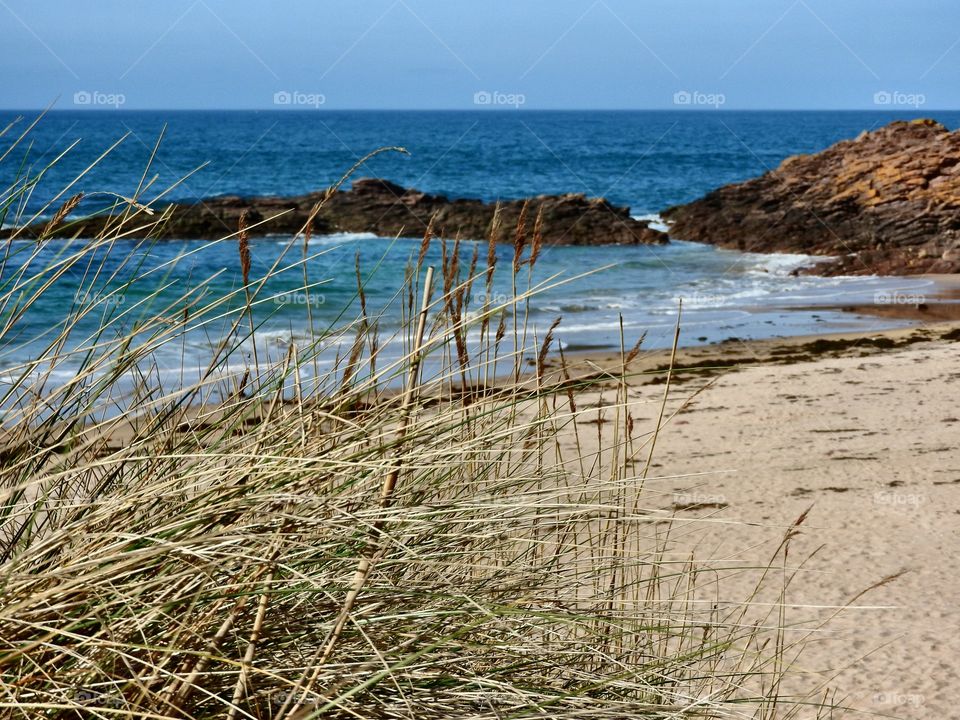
x: 646, y: 160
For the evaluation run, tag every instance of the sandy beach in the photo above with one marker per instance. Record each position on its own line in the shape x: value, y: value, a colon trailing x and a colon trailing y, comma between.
x: 862, y: 432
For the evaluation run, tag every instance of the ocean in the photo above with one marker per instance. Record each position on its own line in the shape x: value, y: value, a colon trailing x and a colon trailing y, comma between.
x: 646, y: 160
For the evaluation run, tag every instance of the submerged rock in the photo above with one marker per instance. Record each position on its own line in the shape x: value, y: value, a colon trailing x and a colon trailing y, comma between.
x: 387, y: 209
x: 885, y: 203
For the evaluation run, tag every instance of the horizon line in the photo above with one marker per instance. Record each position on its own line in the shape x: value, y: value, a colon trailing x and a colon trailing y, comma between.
x: 496, y: 111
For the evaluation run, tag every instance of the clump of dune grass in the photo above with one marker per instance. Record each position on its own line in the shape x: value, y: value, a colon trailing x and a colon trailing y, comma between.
x: 369, y: 541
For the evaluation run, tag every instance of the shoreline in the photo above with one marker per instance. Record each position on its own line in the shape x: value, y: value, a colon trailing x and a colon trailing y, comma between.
x: 939, y: 310
x: 943, y: 304
x: 703, y: 360
x: 936, y: 317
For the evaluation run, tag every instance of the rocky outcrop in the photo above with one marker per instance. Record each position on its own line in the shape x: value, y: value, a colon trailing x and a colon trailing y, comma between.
x: 885, y: 203
x: 381, y: 207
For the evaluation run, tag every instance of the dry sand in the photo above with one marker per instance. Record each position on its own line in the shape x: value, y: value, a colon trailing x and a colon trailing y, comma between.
x: 863, y: 429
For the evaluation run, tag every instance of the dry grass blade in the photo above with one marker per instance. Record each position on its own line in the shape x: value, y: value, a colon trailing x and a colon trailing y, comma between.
x: 68, y: 207
x: 520, y: 238
x: 390, y: 481
x: 243, y: 245
x: 537, y: 242
x: 666, y: 392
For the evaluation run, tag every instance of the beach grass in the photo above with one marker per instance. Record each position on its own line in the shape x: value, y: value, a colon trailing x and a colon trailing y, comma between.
x: 276, y: 538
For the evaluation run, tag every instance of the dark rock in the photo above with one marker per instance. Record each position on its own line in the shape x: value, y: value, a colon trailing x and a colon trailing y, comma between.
x: 387, y: 209
x: 885, y: 203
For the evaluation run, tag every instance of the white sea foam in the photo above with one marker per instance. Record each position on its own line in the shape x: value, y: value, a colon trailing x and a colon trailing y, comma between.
x: 654, y: 221
x: 340, y: 238
x: 783, y: 263
x: 592, y: 327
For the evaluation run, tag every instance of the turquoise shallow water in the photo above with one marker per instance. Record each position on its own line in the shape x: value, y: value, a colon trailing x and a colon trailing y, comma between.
x: 647, y: 160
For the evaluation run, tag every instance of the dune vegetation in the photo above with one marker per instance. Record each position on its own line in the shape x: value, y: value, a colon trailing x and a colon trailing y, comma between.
x: 272, y: 537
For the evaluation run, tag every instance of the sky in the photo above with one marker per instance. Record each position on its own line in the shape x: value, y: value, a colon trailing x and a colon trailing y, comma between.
x: 495, y: 54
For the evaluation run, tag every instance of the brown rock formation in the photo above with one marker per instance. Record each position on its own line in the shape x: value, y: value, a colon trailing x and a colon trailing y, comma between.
x: 386, y: 209
x: 885, y: 203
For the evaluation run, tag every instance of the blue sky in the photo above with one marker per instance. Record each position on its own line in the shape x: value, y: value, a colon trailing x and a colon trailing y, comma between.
x: 454, y: 54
